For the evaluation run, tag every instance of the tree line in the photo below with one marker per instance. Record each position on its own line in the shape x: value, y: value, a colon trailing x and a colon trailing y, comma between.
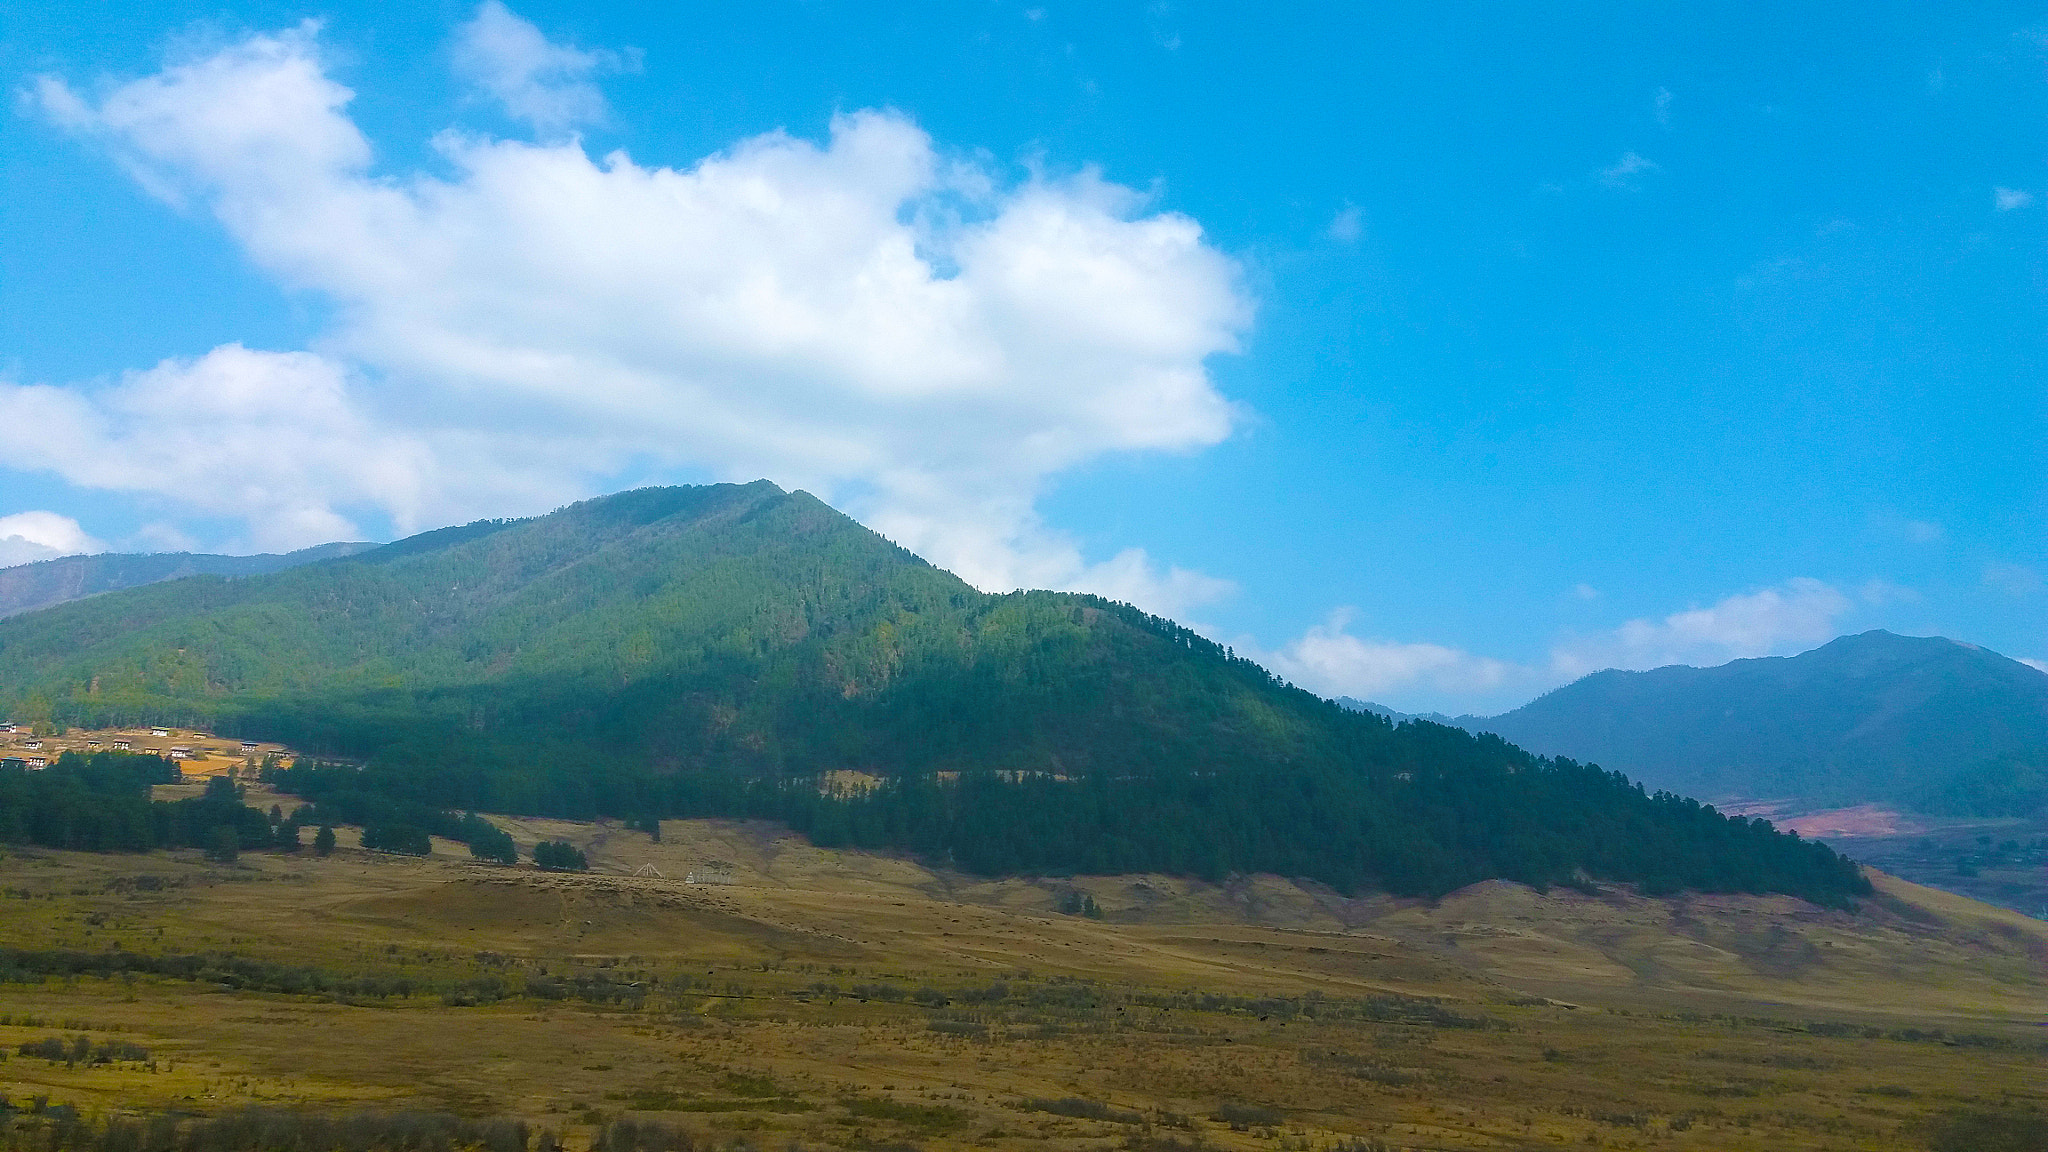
x: 1454, y: 810
x: 100, y: 802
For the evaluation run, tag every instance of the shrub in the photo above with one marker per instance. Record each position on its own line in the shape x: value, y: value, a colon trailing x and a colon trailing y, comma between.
x: 1989, y: 1130
x: 559, y: 856
x: 1081, y: 1109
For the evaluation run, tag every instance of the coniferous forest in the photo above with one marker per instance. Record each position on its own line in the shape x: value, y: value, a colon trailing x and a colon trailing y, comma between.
x: 725, y: 650
x: 99, y: 802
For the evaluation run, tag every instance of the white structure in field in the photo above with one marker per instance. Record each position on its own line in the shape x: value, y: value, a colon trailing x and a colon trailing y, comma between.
x: 711, y: 872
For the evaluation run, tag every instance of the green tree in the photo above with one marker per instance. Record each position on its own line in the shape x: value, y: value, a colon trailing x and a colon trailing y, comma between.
x: 489, y: 842
x: 323, y: 841
x: 559, y: 856
x: 403, y: 838
x: 222, y: 844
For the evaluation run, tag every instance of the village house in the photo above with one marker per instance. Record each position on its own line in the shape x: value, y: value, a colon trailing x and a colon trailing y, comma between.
x: 124, y: 745
x: 248, y: 745
x: 181, y: 753
x: 159, y: 732
x: 37, y: 762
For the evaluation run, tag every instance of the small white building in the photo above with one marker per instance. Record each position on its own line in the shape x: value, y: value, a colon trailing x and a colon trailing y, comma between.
x: 124, y: 745
x: 33, y: 744
x: 248, y: 745
x: 159, y: 731
x: 181, y: 753
x: 38, y: 762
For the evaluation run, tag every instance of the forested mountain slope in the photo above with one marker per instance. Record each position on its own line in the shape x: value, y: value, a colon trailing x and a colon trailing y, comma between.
x: 1925, y: 721
x: 27, y: 587
x: 717, y: 650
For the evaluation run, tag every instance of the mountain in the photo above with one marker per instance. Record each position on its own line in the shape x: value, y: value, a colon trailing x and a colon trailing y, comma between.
x: 738, y: 650
x: 1357, y: 705
x: 27, y: 587
x: 1928, y: 722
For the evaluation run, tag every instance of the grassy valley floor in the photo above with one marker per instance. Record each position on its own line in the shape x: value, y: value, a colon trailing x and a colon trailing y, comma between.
x: 857, y: 1001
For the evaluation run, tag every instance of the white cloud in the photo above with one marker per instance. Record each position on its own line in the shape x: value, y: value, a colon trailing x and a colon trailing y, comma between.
x: 1348, y: 224
x: 900, y: 331
x: 1623, y: 173
x: 545, y: 84
x: 1330, y: 661
x: 2013, y: 579
x: 2038, y: 665
x: 1878, y: 593
x: 1585, y: 592
x: 1793, y: 616
x: 26, y: 537
x: 2008, y: 199
x: 274, y: 438
x: 1661, y: 107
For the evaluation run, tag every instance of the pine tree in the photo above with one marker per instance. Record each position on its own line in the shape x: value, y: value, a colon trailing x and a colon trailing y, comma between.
x: 559, y: 856
x: 323, y: 841
x: 222, y: 844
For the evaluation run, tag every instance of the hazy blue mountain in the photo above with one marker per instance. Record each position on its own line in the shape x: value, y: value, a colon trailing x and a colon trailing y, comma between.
x: 1357, y: 705
x: 1926, y: 721
x: 27, y: 587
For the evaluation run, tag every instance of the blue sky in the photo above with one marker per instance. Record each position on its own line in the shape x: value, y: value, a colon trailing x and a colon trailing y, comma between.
x: 1436, y: 353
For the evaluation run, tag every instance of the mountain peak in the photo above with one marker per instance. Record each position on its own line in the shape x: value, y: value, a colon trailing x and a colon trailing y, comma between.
x: 1866, y: 717
x: 720, y: 650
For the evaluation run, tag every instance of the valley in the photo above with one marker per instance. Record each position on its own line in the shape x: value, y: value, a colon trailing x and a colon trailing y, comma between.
x: 857, y: 1000
x: 879, y: 862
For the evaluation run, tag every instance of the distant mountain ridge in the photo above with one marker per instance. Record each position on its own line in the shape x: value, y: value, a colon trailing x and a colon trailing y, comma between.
x: 46, y: 583
x: 1927, y: 722
x: 1357, y: 705
x: 727, y: 650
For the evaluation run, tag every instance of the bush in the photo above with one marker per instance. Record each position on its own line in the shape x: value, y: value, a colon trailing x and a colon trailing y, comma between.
x: 559, y: 856
x: 401, y: 838
x: 223, y: 843
x: 1989, y: 1130
x: 642, y: 1136
x: 265, y: 1130
x: 958, y: 1028
x: 1242, y: 1116
x: 489, y: 842
x: 1081, y: 1109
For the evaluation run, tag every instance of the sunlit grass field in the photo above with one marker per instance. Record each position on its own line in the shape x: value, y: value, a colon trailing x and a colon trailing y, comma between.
x: 856, y: 1001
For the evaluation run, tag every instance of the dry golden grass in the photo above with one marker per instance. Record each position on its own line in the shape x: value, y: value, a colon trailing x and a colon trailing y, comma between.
x: 784, y: 1005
